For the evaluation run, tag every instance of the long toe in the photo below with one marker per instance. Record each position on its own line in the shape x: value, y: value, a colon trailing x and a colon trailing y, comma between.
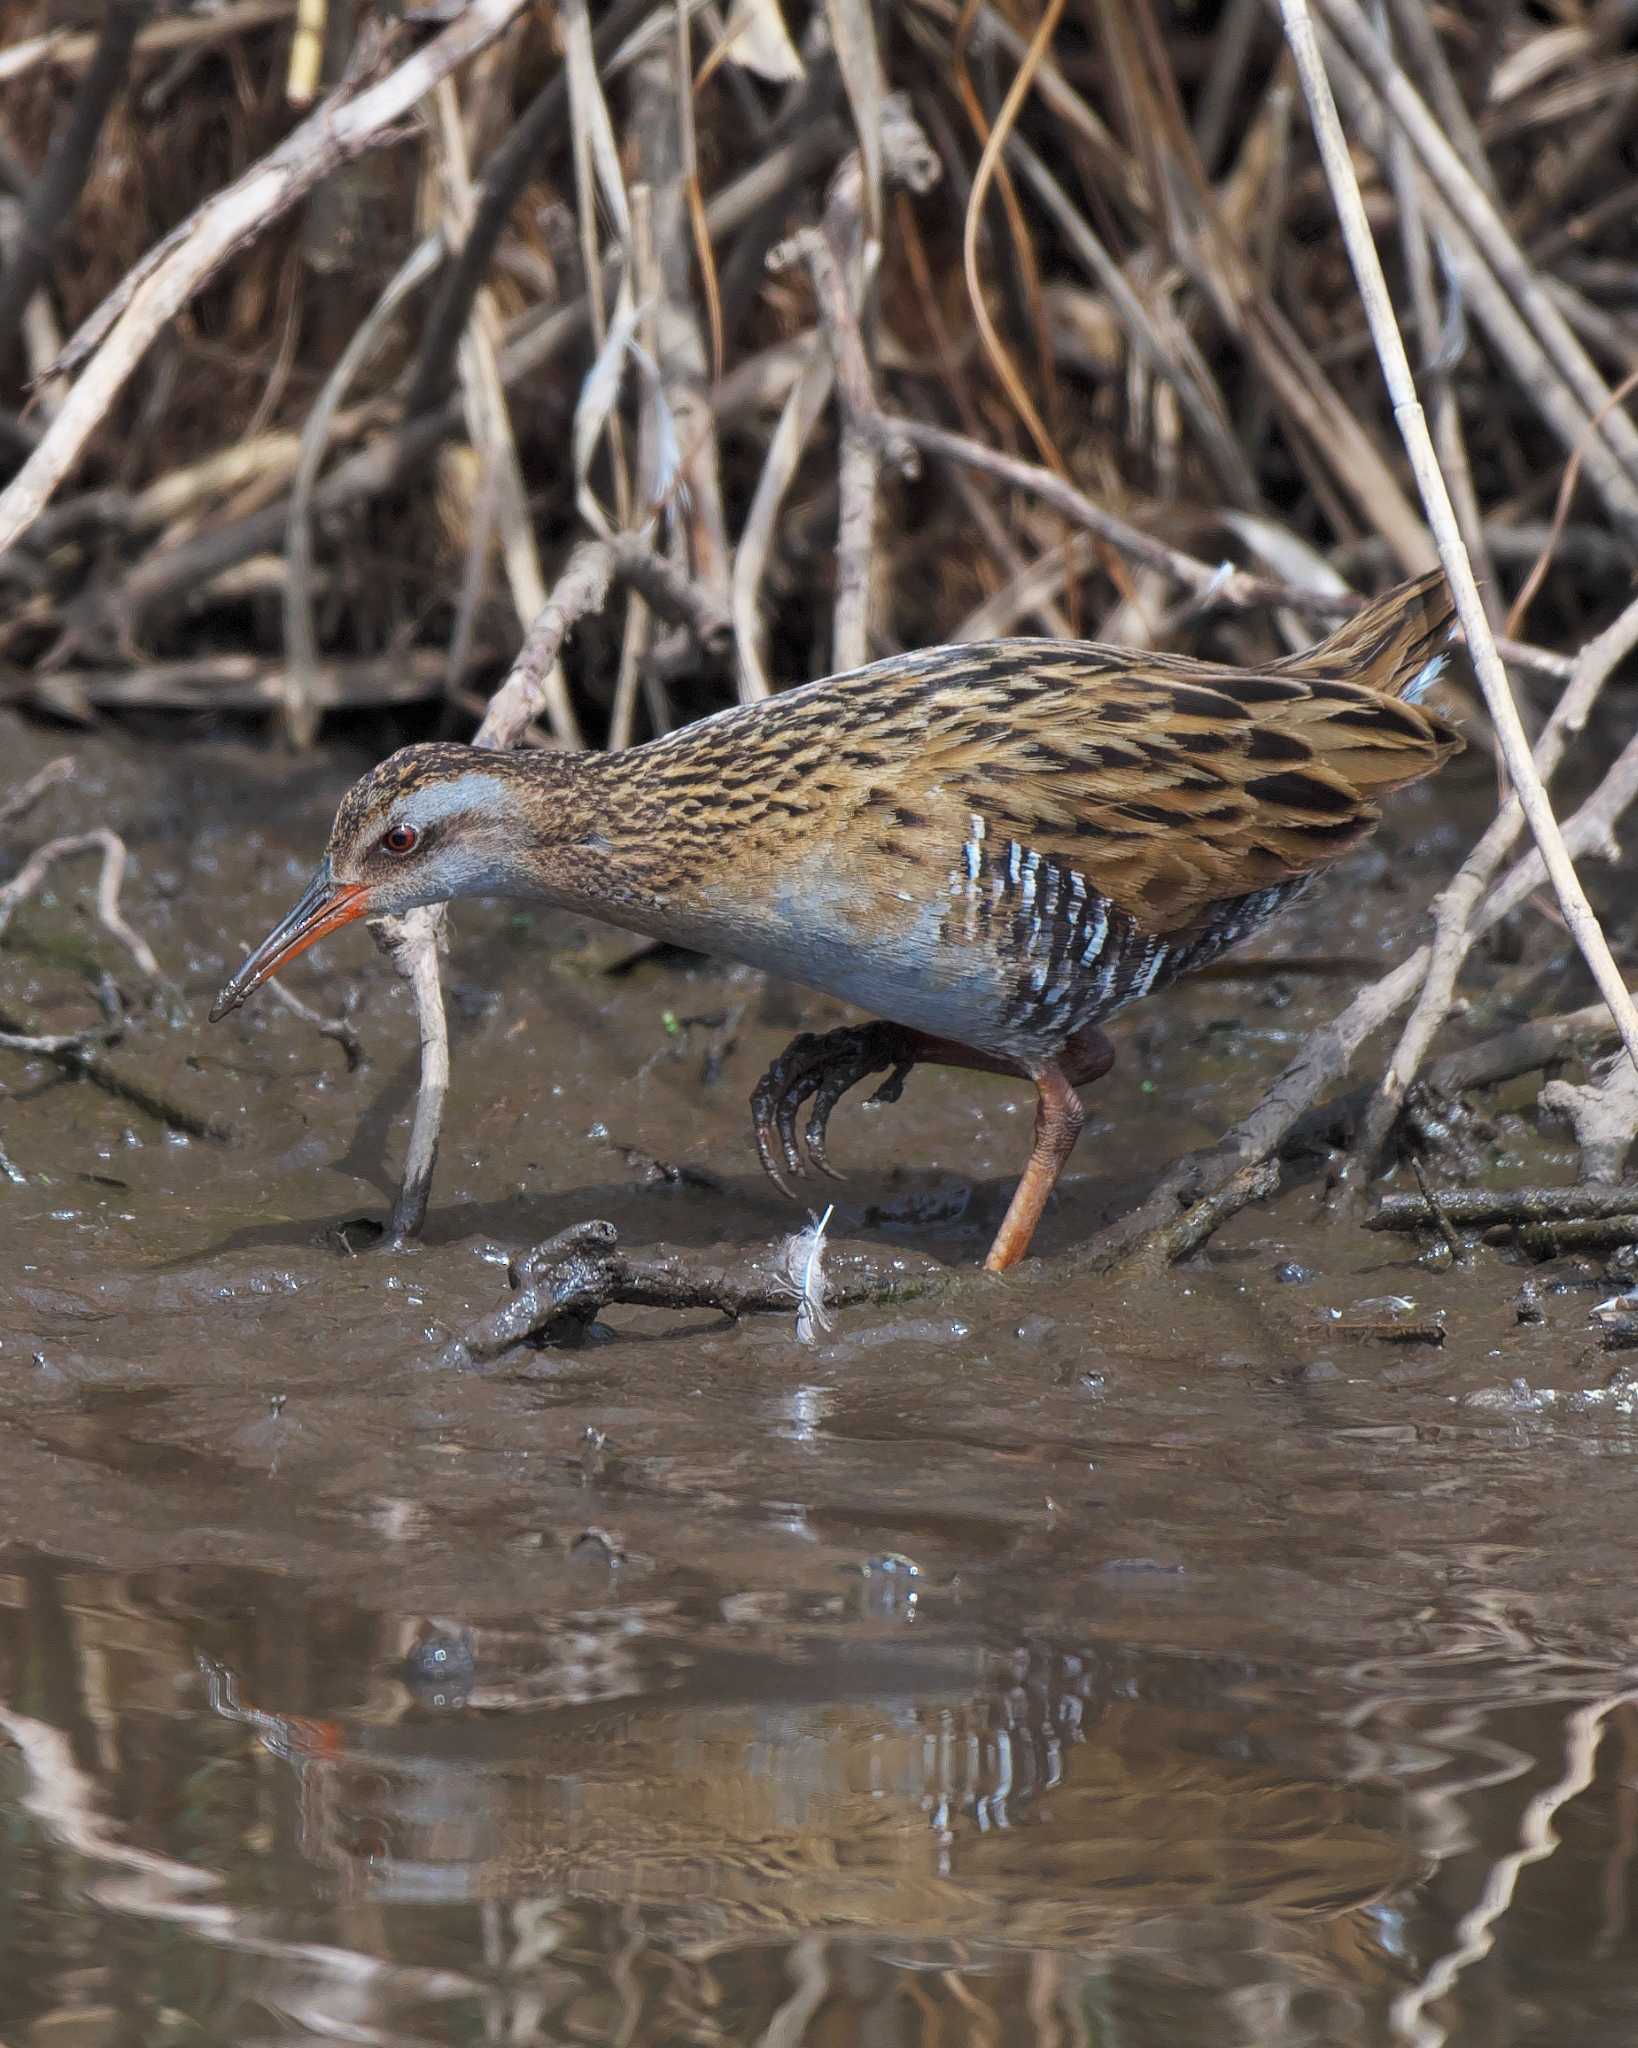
x: 785, y: 1110
x: 846, y: 1074
x: 821, y: 1068
x: 840, y: 1076
x: 762, y: 1125
x: 824, y: 1101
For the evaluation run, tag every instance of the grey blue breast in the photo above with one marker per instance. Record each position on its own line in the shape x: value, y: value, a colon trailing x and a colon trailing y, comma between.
x: 1022, y: 953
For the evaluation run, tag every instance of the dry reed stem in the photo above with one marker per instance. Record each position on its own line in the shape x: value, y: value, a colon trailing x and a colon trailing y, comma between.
x: 808, y: 398
x: 1396, y: 370
x: 663, y: 110
x: 989, y: 163
x: 489, y: 420
x: 163, y: 284
x: 1538, y: 375
x: 1453, y: 907
x: 238, y: 683
x: 64, y: 50
x: 1470, y: 204
x: 1181, y: 366
x: 502, y: 182
x: 1438, y: 361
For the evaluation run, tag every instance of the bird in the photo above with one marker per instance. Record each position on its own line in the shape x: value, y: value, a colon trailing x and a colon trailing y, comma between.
x: 990, y: 847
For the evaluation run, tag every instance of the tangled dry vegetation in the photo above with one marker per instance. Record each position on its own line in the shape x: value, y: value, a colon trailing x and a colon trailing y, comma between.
x: 703, y: 348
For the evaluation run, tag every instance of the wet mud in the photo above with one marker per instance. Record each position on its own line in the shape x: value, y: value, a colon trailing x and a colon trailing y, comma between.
x: 1052, y: 1659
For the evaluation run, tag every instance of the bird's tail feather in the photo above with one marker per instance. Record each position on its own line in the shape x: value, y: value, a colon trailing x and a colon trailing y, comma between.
x: 1397, y: 645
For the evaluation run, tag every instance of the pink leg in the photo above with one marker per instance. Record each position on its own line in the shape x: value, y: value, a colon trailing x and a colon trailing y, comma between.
x: 823, y: 1068
x: 1058, y: 1120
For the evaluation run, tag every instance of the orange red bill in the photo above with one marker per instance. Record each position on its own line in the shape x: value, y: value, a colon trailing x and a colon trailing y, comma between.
x: 325, y: 906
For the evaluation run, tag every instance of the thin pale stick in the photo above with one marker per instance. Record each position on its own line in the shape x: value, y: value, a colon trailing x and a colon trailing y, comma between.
x: 1515, y: 747
x: 1453, y: 907
x: 165, y: 281
x: 413, y: 943
x: 23, y: 800
x: 1463, y: 194
x: 110, y: 878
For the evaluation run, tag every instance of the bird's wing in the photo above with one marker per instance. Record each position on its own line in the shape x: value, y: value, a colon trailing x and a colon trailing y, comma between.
x: 1166, y: 783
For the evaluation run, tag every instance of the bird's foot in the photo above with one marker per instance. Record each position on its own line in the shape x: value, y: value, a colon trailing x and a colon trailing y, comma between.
x: 821, y: 1067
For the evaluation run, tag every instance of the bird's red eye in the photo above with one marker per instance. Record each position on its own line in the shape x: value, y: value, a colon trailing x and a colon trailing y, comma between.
x: 401, y: 839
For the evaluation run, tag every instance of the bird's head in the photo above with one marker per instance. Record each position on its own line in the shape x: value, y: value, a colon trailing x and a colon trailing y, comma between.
x: 430, y: 823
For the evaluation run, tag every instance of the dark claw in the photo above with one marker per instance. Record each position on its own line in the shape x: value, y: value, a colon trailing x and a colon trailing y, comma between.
x: 821, y: 1069
x: 762, y: 1105
x: 789, y: 1103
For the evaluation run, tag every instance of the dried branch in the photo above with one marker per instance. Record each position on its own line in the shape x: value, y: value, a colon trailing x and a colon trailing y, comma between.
x: 120, y: 335
x: 563, y: 1284
x: 110, y: 878
x: 1539, y: 1043
x: 1604, y: 1117
x: 1390, y: 347
x: 21, y: 801
x: 1472, y: 1207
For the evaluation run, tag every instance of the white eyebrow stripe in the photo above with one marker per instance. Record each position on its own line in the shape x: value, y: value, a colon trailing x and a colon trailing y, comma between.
x: 434, y: 802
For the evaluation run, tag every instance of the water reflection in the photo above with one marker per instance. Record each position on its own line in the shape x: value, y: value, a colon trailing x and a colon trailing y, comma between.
x: 628, y: 1824
x: 789, y: 1821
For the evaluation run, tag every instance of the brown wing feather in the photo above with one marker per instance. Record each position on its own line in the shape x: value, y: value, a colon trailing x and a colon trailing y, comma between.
x: 1171, y: 784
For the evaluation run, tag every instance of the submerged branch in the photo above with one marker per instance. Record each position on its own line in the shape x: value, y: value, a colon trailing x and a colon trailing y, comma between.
x: 563, y: 1284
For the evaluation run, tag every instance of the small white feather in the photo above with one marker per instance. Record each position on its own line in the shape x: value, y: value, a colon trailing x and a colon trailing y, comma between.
x: 803, y: 1260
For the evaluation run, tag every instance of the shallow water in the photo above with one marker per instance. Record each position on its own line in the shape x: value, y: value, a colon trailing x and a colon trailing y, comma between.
x: 1074, y: 1664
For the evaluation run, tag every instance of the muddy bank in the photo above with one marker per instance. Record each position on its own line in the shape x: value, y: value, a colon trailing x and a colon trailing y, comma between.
x: 1050, y: 1645
x: 188, y: 1302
